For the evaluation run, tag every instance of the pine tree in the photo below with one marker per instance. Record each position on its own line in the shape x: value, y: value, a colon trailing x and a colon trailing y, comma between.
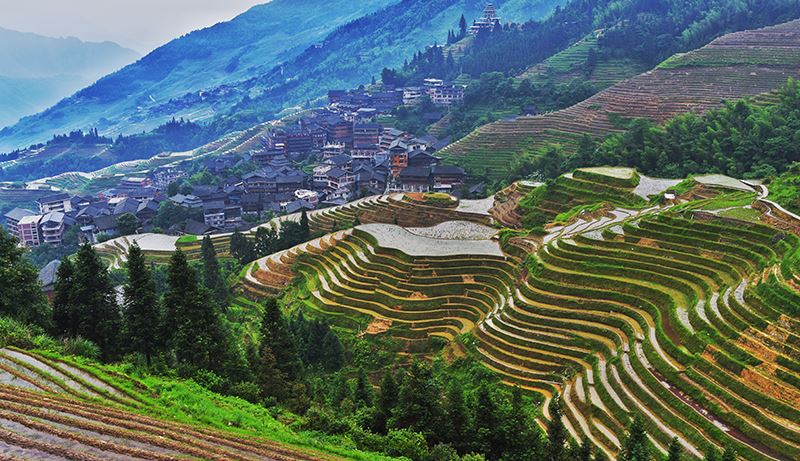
x: 97, y: 315
x: 419, y: 403
x: 271, y: 381
x: 332, y: 356
x: 305, y: 229
x: 458, y: 417
x: 729, y: 454
x: 462, y: 27
x: 555, y: 430
x: 522, y: 437
x: 635, y: 446
x: 193, y: 326
x: 63, y: 314
x: 585, y: 451
x: 275, y: 333
x: 674, y: 452
x: 211, y: 276
x: 487, y: 420
x: 387, y: 402
x: 711, y: 453
x: 266, y: 242
x: 21, y: 296
x: 363, y: 394
x: 141, y: 316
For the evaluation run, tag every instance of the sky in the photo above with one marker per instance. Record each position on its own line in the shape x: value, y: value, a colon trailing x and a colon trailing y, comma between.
x: 141, y: 25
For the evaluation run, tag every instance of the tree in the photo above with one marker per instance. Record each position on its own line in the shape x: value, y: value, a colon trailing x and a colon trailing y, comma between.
x: 387, y: 401
x: 363, y: 392
x: 266, y: 242
x: 711, y: 453
x: 127, y: 224
x: 462, y: 27
x: 556, y: 434
x: 418, y: 407
x: 141, y: 315
x: 305, y: 229
x: 96, y: 314
x: 674, y: 452
x: 271, y: 381
x: 585, y: 451
x: 212, y: 279
x: 458, y: 417
x: 635, y: 446
x: 63, y: 315
x: 192, y: 327
x: 332, y: 351
x: 21, y: 296
x: 241, y: 248
x: 522, y: 437
x: 275, y: 334
x: 729, y: 454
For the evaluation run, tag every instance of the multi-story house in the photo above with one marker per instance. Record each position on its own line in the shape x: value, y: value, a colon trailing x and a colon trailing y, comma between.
x: 57, y: 202
x: 28, y: 229
x: 13, y: 218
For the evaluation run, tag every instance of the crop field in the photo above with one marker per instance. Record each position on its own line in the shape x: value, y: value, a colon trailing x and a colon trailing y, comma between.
x: 55, y: 408
x: 685, y: 313
x: 657, y: 95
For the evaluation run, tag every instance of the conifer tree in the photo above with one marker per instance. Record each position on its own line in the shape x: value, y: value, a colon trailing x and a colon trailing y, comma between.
x: 275, y: 334
x: 487, y: 420
x: 363, y: 394
x: 556, y: 433
x: 141, y: 315
x: 192, y: 325
x: 63, y: 314
x: 522, y: 437
x: 211, y: 276
x: 271, y: 381
x: 635, y: 446
x: 729, y: 454
x: 458, y: 417
x: 711, y: 453
x: 266, y: 242
x: 462, y: 27
x: 387, y: 401
x: 419, y: 404
x: 674, y: 452
x: 21, y: 296
x: 97, y: 316
x: 332, y: 351
x: 305, y: 229
x: 585, y: 451
x: 241, y: 248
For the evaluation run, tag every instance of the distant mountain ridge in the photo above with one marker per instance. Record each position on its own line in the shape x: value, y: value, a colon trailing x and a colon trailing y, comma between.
x: 265, y: 57
x: 36, y: 71
x: 253, y: 42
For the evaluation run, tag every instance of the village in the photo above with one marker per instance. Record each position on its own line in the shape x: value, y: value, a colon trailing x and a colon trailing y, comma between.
x: 326, y: 157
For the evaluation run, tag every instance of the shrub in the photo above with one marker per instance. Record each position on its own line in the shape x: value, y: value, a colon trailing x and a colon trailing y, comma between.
x: 404, y: 442
x: 81, y: 347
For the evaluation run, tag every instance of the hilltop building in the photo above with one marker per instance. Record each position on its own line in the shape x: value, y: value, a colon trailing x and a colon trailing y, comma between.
x: 488, y: 22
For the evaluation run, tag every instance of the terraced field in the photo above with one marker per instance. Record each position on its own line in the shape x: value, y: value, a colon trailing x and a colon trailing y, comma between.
x: 733, y: 71
x: 52, y: 408
x: 677, y: 310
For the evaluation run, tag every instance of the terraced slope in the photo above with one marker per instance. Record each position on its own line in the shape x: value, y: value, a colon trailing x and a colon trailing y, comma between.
x: 680, y: 311
x: 54, y: 409
x: 412, y: 283
x: 734, y: 66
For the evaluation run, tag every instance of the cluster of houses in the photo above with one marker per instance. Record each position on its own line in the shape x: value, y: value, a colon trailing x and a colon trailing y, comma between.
x: 90, y: 216
x: 325, y: 158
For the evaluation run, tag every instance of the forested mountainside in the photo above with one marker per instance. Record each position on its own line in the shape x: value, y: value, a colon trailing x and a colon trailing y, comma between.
x: 138, y: 97
x: 262, y: 60
x: 582, y: 49
x: 734, y: 66
x: 37, y: 71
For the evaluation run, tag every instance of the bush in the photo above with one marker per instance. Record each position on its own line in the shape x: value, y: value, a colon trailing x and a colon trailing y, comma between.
x: 81, y: 347
x: 404, y: 442
x: 246, y: 390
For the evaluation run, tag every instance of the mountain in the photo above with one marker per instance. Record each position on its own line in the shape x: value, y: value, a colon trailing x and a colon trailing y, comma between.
x: 252, y: 42
x: 265, y: 54
x: 732, y: 67
x: 37, y: 71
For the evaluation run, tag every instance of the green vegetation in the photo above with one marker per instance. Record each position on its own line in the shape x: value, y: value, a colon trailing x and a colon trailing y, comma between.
x: 785, y: 189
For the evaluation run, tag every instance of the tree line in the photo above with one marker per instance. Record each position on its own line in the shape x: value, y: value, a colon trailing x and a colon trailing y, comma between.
x: 740, y: 139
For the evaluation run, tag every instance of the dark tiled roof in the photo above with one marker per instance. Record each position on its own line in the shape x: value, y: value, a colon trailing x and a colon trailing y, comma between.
x: 18, y: 213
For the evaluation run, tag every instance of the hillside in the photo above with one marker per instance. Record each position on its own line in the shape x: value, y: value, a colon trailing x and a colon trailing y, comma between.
x: 37, y: 71
x: 61, y: 407
x: 682, y: 311
x: 265, y: 54
x: 138, y: 96
x: 734, y: 66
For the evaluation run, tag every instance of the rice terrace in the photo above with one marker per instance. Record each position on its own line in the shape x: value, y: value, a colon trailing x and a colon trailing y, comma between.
x: 384, y: 230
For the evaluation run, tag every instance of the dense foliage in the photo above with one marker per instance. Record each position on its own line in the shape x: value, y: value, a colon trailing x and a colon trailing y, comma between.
x: 20, y: 293
x: 741, y: 139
